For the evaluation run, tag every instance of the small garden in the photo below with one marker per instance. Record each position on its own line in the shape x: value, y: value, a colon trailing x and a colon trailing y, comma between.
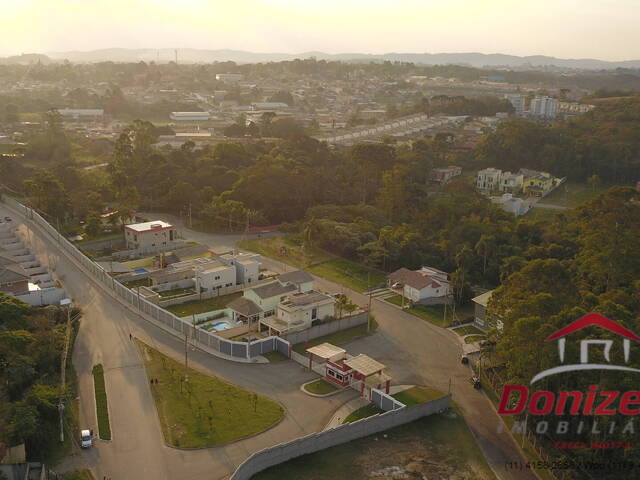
x: 320, y: 387
x: 195, y: 307
x: 410, y: 397
x: 102, y: 409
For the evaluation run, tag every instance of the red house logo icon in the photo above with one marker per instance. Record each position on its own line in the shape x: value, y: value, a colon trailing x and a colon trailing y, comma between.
x: 582, y: 322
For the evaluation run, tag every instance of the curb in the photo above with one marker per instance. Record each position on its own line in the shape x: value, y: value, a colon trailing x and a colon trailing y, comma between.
x: 319, y: 395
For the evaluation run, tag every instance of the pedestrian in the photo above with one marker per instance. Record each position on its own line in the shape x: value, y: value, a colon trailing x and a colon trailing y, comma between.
x: 130, y: 336
x: 152, y: 381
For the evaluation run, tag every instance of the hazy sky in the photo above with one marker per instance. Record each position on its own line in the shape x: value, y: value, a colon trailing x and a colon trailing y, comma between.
x: 606, y: 29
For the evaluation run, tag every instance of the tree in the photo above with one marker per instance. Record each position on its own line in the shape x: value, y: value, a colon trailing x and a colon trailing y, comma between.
x: 93, y: 226
x: 594, y: 181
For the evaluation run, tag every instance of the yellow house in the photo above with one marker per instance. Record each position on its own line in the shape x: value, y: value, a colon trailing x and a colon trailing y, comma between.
x: 537, y: 183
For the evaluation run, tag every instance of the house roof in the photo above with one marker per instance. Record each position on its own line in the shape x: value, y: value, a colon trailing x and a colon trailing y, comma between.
x: 244, y: 306
x: 416, y: 280
x: 297, y: 277
x: 12, y: 273
x: 364, y: 364
x: 149, y: 226
x: 306, y: 298
x: 325, y: 350
x: 6, y: 259
x: 594, y: 319
x: 483, y: 299
x: 273, y: 289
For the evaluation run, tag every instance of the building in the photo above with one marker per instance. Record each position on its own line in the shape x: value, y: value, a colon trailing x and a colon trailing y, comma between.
x: 269, y: 106
x: 179, y: 271
x: 247, y: 266
x: 189, y: 116
x: 150, y: 234
x: 14, y: 279
x: 362, y: 372
x: 512, y: 204
x: 510, y: 182
x: 426, y: 285
x: 480, y: 317
x: 545, y: 107
x: 488, y: 179
x: 229, y: 78
x: 303, y: 281
x: 517, y: 100
x: 444, y: 175
x: 536, y: 183
x: 213, y: 276
x: 81, y: 113
x: 299, y: 311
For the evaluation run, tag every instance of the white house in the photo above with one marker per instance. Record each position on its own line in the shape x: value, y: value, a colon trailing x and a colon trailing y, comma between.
x: 488, y: 179
x: 426, y: 285
x: 299, y: 311
x: 510, y: 182
x: 150, y: 234
x: 247, y: 266
x: 267, y: 297
x: 512, y: 204
x: 214, y: 275
x: 189, y: 116
x: 303, y: 281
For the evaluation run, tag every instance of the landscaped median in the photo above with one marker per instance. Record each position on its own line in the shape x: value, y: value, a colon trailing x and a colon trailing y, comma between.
x: 199, y: 411
x: 319, y: 388
x: 102, y: 408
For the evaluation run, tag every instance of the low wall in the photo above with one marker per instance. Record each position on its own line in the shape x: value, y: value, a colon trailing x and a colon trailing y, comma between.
x: 49, y: 296
x: 336, y: 436
x: 326, y: 328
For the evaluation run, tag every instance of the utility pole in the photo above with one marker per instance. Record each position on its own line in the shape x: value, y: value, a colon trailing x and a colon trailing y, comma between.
x: 190, y: 221
x: 369, y: 306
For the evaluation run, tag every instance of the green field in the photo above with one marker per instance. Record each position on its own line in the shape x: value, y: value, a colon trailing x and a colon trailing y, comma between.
x: 473, y: 338
x: 204, y: 411
x: 177, y: 292
x: 102, y: 409
x: 434, y: 313
x: 468, y: 330
x: 337, y: 338
x: 201, y: 306
x: 410, y: 397
x: 572, y: 194
x: 320, y: 387
x: 133, y: 284
x: 436, y: 447
x: 345, y: 272
x: 140, y: 263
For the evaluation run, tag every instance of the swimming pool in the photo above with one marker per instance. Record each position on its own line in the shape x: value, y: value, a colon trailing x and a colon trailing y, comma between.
x: 219, y: 326
x: 140, y: 270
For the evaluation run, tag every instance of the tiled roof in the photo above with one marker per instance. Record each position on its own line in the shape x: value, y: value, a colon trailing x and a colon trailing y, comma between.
x: 297, y: 277
x: 12, y: 273
x: 273, y: 289
x: 416, y: 280
x: 244, y: 306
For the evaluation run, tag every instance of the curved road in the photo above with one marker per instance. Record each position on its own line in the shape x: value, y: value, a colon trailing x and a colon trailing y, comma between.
x: 414, y: 350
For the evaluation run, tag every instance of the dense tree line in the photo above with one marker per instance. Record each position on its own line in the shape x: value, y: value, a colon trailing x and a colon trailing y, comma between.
x: 31, y: 346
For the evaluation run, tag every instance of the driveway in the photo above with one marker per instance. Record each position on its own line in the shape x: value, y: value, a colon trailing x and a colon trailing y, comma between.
x: 138, y: 450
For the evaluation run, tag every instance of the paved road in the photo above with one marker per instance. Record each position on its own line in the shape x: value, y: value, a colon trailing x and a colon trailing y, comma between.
x: 550, y: 206
x: 137, y: 450
x: 417, y: 352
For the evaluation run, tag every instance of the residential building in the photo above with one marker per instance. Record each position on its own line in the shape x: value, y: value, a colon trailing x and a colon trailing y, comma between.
x: 517, y: 100
x: 150, y: 234
x: 299, y: 311
x: 303, y: 281
x: 269, y: 106
x: 488, y: 179
x: 444, y: 175
x: 229, y: 77
x: 426, y: 285
x: 268, y: 296
x: 214, y: 275
x: 512, y: 204
x: 537, y: 183
x: 546, y: 107
x: 189, y: 116
x: 247, y: 266
x: 480, y: 317
x: 14, y: 279
x: 81, y: 113
x: 185, y: 270
x: 510, y: 182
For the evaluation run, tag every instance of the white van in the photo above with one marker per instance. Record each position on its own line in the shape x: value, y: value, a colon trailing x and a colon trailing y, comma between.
x: 85, y: 439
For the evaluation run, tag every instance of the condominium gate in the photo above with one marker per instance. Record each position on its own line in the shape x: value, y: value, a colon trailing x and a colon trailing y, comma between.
x: 173, y: 324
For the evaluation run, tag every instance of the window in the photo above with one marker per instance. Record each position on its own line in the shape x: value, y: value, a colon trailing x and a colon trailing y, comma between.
x: 217, y: 277
x: 314, y: 313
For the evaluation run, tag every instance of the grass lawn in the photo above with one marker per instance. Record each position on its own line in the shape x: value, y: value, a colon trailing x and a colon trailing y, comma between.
x: 133, y: 284
x: 177, y: 292
x: 320, y: 387
x: 437, y: 446
x: 572, y: 194
x: 468, y: 330
x: 434, y: 313
x: 102, y: 236
x: 473, y: 338
x: 102, y: 410
x: 363, y: 412
x: 275, y: 357
x: 82, y: 474
x: 417, y: 395
x: 204, y: 411
x: 337, y: 338
x: 140, y: 263
x: 200, y: 306
x: 538, y: 213
x: 345, y: 272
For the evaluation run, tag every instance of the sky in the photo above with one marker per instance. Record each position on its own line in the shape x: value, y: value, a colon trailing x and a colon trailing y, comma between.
x: 604, y: 29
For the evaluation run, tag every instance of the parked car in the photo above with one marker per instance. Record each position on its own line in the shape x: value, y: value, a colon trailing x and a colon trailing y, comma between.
x: 86, y: 439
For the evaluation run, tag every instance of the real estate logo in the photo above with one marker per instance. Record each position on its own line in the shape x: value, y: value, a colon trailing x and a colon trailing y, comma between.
x: 517, y: 399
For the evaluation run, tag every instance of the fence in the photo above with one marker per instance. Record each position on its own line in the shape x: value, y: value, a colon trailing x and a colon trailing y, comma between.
x: 177, y: 326
x: 327, y: 328
x: 336, y: 436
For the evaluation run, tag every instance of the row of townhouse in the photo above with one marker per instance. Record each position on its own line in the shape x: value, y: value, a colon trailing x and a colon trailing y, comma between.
x: 526, y: 181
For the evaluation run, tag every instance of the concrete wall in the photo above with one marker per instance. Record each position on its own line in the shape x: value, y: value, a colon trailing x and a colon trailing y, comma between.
x: 327, y: 328
x: 336, y: 436
x: 49, y: 296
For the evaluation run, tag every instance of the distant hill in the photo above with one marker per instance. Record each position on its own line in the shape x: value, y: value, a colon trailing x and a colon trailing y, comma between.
x: 25, y: 59
x: 190, y: 55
